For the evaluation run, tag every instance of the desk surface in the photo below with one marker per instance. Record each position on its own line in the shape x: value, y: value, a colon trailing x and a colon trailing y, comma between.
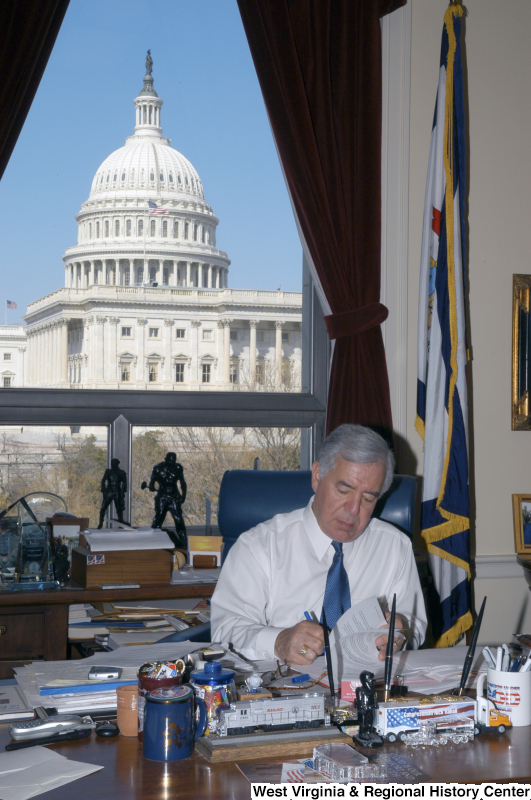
x: 128, y: 776
x: 77, y: 594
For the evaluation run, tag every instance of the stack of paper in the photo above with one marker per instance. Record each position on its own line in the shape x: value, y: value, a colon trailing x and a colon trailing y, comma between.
x: 26, y: 773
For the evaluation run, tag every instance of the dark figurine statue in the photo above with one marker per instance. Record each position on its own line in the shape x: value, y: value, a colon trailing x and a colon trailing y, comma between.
x: 366, y: 705
x: 168, y: 498
x: 61, y: 562
x: 113, y: 488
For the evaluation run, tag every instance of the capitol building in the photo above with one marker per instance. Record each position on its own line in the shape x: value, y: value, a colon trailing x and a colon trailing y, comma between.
x: 146, y: 302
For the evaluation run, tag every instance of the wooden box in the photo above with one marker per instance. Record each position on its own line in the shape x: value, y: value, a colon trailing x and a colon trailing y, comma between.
x: 120, y: 566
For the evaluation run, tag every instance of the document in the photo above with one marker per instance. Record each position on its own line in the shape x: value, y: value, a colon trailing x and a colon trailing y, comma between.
x: 353, y: 640
x: 98, y: 542
x: 35, y: 770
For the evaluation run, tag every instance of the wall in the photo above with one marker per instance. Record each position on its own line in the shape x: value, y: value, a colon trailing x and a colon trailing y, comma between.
x: 499, y: 77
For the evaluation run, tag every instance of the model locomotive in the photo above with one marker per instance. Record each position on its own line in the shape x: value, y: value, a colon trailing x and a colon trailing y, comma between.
x: 273, y: 714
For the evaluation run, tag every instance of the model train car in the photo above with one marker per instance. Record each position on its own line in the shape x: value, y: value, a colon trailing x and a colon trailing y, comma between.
x: 273, y: 714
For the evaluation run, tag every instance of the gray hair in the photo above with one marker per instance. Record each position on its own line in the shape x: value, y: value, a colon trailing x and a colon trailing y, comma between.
x: 360, y: 445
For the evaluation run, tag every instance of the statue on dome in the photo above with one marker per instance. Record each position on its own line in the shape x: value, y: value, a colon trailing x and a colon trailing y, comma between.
x: 149, y: 63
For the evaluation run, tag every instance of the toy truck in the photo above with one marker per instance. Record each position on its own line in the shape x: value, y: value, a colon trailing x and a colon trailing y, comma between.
x: 396, y: 719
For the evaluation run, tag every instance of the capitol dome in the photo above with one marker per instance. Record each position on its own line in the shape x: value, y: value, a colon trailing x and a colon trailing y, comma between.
x: 146, y: 219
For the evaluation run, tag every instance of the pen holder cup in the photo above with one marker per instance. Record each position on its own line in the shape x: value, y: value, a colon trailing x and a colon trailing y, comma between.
x: 508, y: 695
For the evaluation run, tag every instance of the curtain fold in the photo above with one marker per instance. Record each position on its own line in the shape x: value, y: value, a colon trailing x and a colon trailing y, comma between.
x: 319, y: 67
x: 29, y: 30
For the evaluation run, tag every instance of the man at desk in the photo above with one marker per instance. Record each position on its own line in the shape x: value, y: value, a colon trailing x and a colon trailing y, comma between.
x: 330, y: 554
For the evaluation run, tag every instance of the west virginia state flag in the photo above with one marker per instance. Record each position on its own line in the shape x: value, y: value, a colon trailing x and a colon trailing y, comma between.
x: 442, y: 413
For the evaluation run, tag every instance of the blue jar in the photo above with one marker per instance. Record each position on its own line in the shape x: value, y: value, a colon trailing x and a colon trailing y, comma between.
x: 215, y: 685
x: 170, y: 727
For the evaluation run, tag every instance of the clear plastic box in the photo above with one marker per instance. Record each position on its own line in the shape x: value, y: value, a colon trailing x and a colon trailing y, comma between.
x: 342, y: 763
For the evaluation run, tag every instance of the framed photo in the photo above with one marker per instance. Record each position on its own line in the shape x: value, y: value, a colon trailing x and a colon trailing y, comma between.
x: 522, y: 523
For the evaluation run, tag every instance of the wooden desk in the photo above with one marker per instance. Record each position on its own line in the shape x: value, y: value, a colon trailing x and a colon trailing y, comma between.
x: 128, y: 776
x: 36, y: 623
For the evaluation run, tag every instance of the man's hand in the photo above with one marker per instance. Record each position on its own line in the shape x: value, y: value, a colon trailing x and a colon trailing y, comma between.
x: 306, y: 636
x: 381, y: 641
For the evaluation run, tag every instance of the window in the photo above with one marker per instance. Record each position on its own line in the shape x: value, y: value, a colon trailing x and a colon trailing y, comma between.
x: 97, y: 230
x: 123, y: 176
x: 161, y: 176
x: 152, y: 176
x: 154, y: 333
x: 140, y: 275
x: 126, y: 370
x: 165, y: 276
x: 234, y: 336
x: 207, y: 336
x: 180, y: 333
x: 203, y: 235
x: 260, y: 374
x: 205, y: 377
x: 126, y: 331
x: 195, y: 232
x: 114, y: 177
x: 7, y: 356
x: 153, y: 372
x: 7, y: 381
x: 117, y: 227
x: 259, y: 336
x: 152, y: 228
x: 90, y: 230
x: 233, y: 373
x: 171, y: 178
x: 176, y: 230
x: 186, y: 227
x: 127, y: 276
x: 165, y: 227
x: 152, y: 274
x: 128, y: 228
x: 179, y: 373
x: 106, y: 227
x: 285, y: 336
x: 140, y: 227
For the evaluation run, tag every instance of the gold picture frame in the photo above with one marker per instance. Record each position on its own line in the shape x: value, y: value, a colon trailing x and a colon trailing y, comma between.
x: 522, y: 523
x: 521, y: 365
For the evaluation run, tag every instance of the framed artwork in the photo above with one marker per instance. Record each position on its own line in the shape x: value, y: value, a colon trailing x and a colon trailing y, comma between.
x: 522, y: 523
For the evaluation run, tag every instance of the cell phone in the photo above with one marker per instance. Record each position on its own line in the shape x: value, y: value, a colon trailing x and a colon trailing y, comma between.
x: 104, y: 674
x: 41, y: 728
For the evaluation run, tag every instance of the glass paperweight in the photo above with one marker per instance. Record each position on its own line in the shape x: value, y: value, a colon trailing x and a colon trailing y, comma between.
x: 341, y: 763
x: 456, y: 728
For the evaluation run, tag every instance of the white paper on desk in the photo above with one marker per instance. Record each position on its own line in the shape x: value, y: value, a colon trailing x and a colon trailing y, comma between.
x: 195, y: 576
x: 128, y: 540
x: 184, y: 604
x: 364, y: 616
x: 32, y: 771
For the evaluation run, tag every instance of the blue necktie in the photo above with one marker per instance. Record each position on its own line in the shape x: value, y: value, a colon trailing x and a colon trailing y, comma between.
x: 337, y: 592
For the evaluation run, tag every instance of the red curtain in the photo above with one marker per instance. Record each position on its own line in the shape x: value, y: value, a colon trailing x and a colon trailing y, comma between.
x: 319, y: 67
x: 29, y: 30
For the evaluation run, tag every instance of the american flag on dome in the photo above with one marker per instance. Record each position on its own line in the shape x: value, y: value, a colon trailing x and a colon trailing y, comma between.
x: 10, y: 304
x: 155, y: 208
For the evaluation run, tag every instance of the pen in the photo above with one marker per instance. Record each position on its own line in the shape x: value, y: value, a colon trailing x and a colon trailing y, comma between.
x: 489, y: 658
x: 329, y: 660
x: 58, y: 737
x: 506, y: 660
x: 306, y: 614
x: 389, y: 653
x: 471, y: 650
x: 499, y: 657
x: 527, y: 665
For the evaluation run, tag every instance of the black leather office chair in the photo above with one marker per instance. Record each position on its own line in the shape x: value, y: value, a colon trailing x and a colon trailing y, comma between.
x: 248, y: 497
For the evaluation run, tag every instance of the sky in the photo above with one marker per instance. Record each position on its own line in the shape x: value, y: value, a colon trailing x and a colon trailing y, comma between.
x: 213, y: 113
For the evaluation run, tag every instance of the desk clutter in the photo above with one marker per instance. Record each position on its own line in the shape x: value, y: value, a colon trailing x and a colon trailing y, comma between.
x: 125, y: 623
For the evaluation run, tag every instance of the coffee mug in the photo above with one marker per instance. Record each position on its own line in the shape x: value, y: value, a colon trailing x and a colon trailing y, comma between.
x: 510, y: 694
x: 170, y: 727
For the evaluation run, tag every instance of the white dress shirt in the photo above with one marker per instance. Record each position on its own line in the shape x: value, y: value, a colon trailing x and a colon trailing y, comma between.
x: 277, y: 571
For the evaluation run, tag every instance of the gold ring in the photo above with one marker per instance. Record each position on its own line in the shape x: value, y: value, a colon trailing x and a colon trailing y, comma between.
x: 303, y: 650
